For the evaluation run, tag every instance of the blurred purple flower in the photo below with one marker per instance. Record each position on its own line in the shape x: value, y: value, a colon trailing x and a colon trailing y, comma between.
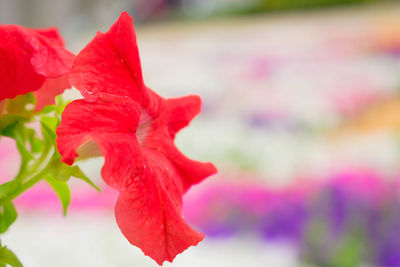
x: 285, y: 221
x: 354, y: 212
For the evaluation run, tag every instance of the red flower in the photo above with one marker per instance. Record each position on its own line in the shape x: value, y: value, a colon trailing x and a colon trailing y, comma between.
x: 33, y: 60
x: 134, y: 129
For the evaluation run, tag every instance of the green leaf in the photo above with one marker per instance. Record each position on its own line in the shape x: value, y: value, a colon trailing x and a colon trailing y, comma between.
x: 48, y: 134
x: 7, y: 120
x: 51, y: 122
x: 77, y: 172
x: 8, y: 215
x: 62, y: 190
x: 22, y: 105
x: 36, y: 144
x: 8, y: 257
x: 60, y: 170
x: 60, y: 104
x: 48, y: 109
x: 9, y: 188
x: 63, y: 172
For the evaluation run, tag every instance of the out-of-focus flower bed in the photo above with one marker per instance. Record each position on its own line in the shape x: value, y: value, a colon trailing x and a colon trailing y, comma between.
x: 302, y: 118
x: 348, y: 218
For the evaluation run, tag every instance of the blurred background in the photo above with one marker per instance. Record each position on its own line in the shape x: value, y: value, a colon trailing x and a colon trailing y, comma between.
x: 301, y: 115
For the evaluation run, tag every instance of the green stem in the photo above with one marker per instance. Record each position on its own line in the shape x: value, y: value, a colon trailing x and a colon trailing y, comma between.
x: 25, y: 172
x: 42, y: 160
x: 25, y: 186
x: 33, y: 179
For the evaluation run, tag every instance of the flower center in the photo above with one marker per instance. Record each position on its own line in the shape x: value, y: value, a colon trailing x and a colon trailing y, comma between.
x: 144, y: 126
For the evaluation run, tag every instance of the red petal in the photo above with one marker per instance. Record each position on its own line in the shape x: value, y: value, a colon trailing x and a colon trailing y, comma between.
x: 49, y: 90
x: 148, y: 210
x: 17, y: 75
x: 192, y: 171
x: 160, y: 232
x: 27, y: 57
x: 181, y: 111
x: 52, y: 35
x: 51, y: 59
x: 110, y: 64
x: 175, y: 114
x: 82, y: 121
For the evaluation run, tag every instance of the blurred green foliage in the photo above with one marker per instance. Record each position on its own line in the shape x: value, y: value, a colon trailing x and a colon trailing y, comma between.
x: 284, y: 5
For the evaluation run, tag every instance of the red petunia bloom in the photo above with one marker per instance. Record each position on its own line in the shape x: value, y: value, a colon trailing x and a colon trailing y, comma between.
x: 33, y: 60
x: 134, y: 129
